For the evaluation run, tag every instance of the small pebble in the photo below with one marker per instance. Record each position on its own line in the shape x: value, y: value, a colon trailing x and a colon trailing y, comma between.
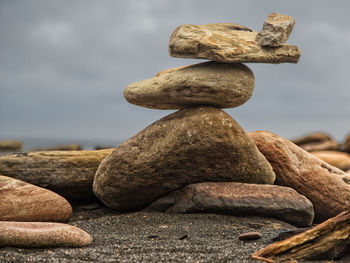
x: 250, y: 236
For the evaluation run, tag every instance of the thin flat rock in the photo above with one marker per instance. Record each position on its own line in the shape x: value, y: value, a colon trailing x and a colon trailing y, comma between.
x: 42, y: 234
x: 276, y: 30
x: 227, y: 42
x: 239, y: 199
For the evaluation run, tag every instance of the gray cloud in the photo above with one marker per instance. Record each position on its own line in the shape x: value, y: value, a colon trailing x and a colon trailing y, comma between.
x: 64, y: 65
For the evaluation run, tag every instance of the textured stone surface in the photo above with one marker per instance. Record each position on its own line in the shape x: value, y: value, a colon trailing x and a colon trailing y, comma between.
x: 241, y: 200
x: 329, y: 240
x: 68, y: 173
x: 189, y: 146
x: 276, y: 30
x: 340, y: 160
x: 226, y: 42
x: 20, y: 201
x: 324, y: 185
x: 42, y: 234
x: 210, y: 83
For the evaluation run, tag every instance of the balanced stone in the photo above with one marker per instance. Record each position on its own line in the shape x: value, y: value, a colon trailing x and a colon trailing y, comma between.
x: 68, y: 173
x: 324, y: 185
x: 226, y: 42
x: 239, y: 199
x: 20, y: 201
x: 42, y: 234
x: 276, y: 30
x: 221, y: 85
x: 189, y: 146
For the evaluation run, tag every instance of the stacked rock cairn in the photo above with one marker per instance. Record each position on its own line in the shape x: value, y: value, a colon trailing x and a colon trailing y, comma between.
x: 199, y: 158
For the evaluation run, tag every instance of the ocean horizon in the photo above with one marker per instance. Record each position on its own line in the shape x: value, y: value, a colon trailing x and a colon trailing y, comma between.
x: 29, y: 144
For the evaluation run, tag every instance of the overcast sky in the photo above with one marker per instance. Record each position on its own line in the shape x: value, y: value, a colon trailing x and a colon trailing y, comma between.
x: 64, y: 65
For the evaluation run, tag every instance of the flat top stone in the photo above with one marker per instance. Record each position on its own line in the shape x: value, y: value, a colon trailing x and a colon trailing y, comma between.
x: 227, y: 42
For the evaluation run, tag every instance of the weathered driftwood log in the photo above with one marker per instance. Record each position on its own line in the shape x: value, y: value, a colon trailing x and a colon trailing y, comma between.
x: 329, y: 240
x: 327, y: 187
x: 64, y: 147
x: 68, y: 173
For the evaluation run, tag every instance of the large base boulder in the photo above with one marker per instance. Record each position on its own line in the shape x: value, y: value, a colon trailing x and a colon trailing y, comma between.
x: 324, y: 185
x: 189, y: 146
x: 239, y: 199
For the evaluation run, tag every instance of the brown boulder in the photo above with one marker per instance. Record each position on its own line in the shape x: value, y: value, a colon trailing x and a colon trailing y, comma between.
x: 226, y: 42
x: 68, y: 173
x: 340, y: 160
x: 189, y: 146
x: 42, y: 234
x: 20, y: 201
x: 239, y: 199
x: 324, y: 185
x: 210, y: 83
x: 276, y: 30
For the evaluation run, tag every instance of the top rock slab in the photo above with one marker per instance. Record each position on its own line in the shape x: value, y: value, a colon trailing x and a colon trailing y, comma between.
x: 227, y: 42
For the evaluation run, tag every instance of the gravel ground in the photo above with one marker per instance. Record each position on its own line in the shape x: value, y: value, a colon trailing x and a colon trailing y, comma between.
x: 158, y: 237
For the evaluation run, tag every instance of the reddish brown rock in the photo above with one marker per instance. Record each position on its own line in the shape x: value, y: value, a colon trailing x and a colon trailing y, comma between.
x: 189, y: 146
x: 340, y: 160
x: 276, y: 30
x: 42, y: 234
x: 329, y: 240
x: 324, y: 185
x: 20, y: 201
x: 239, y: 199
x: 250, y: 236
x: 68, y: 173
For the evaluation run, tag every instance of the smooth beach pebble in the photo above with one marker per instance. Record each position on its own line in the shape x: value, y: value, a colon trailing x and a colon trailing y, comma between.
x: 250, y: 236
x: 42, y: 234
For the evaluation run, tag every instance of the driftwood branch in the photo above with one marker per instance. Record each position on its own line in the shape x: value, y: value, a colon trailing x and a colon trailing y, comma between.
x: 328, y: 240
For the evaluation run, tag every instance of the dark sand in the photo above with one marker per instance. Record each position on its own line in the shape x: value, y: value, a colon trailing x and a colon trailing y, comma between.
x: 158, y: 237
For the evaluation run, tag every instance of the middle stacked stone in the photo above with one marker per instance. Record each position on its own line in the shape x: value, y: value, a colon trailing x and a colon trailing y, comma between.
x: 200, y: 142
x: 211, y: 83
